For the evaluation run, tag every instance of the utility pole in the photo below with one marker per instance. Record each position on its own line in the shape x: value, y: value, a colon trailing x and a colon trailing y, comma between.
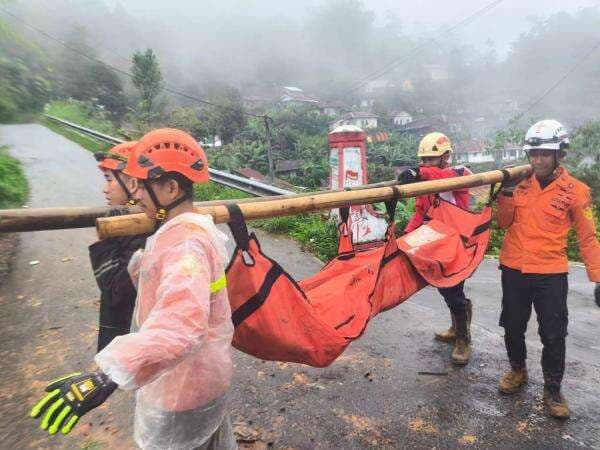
x: 269, y: 150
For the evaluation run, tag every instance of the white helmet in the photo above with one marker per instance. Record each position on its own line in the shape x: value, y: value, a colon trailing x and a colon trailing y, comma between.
x: 547, y: 134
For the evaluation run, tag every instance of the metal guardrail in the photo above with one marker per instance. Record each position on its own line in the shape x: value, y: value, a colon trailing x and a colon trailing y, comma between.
x: 218, y: 176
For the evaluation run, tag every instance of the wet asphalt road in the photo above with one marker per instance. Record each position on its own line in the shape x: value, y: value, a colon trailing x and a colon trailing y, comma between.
x: 372, y: 397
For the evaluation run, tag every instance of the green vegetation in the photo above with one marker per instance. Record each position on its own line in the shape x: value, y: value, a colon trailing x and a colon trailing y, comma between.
x: 147, y: 78
x: 24, y: 77
x: 13, y: 184
x: 214, y: 191
x: 314, y: 232
x: 82, y: 113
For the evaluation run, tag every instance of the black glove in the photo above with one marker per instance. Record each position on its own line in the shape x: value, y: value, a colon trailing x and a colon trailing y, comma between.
x: 409, y: 176
x: 70, y: 398
x: 597, y: 294
x: 508, y: 186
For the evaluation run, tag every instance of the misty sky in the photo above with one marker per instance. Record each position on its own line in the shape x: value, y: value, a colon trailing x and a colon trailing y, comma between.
x: 501, y: 25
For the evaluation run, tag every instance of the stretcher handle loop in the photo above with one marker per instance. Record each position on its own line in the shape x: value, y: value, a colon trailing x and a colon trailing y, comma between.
x: 238, y: 228
x: 391, y: 204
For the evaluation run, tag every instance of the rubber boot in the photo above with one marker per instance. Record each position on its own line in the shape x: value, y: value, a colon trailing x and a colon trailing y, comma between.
x: 462, y: 345
x: 469, y: 317
x: 450, y: 334
x: 555, y: 403
x: 513, y: 380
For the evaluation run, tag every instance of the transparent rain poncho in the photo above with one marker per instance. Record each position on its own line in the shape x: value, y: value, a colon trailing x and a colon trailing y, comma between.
x: 178, y: 354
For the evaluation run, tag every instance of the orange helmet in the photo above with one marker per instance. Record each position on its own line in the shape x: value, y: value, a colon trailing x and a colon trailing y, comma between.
x: 116, y: 158
x: 168, y: 150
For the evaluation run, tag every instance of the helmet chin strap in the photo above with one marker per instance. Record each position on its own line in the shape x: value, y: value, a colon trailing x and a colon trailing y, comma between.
x: 130, y: 200
x: 162, y: 211
x: 556, y: 163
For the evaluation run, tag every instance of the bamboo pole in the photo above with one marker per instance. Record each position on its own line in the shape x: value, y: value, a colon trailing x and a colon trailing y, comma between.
x: 140, y: 224
x: 40, y: 219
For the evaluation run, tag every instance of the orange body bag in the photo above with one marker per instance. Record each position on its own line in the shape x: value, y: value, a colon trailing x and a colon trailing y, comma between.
x: 312, y: 321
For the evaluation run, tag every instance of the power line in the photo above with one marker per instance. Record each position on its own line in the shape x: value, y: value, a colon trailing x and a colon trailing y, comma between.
x: 121, y: 71
x: 390, y: 66
x: 568, y: 73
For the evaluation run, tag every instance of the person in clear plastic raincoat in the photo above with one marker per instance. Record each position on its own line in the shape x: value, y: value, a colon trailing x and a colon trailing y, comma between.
x: 178, y: 354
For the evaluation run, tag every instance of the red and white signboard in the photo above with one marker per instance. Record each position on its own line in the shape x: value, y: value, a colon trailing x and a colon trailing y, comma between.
x: 348, y: 168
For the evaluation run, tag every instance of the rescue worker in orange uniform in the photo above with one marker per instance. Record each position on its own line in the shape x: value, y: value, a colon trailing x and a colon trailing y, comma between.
x: 110, y: 257
x: 537, y: 214
x: 177, y: 356
x: 434, y: 153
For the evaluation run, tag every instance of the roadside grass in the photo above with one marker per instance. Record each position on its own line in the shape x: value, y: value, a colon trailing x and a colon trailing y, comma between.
x: 85, y: 141
x: 13, y: 184
x: 82, y: 113
x: 13, y: 194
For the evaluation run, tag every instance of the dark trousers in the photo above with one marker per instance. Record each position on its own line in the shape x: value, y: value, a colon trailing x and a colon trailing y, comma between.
x: 548, y: 295
x: 455, y: 298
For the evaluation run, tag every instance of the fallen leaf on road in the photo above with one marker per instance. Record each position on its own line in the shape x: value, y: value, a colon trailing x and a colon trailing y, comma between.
x: 244, y: 433
x: 467, y: 439
x: 420, y: 425
x: 20, y: 297
x: 67, y: 259
x: 524, y: 427
x: 366, y: 428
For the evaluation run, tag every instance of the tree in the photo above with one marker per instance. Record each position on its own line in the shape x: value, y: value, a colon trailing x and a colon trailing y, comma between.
x: 187, y: 119
x: 585, y: 144
x: 24, y: 77
x: 583, y: 158
x: 107, y: 90
x: 513, y: 133
x: 147, y: 78
x: 227, y: 119
x: 73, y: 69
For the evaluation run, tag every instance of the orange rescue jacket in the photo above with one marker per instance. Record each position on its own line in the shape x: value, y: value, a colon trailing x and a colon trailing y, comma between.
x: 538, y: 221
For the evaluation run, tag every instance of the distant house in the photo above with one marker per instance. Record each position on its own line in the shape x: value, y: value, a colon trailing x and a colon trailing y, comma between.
x: 401, y: 117
x: 359, y: 119
x: 377, y: 85
x: 289, y: 167
x: 437, y: 72
x: 333, y: 108
x: 420, y: 127
x: 511, y: 152
x: 367, y: 102
x: 214, y: 141
x: 471, y: 152
x: 294, y: 96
